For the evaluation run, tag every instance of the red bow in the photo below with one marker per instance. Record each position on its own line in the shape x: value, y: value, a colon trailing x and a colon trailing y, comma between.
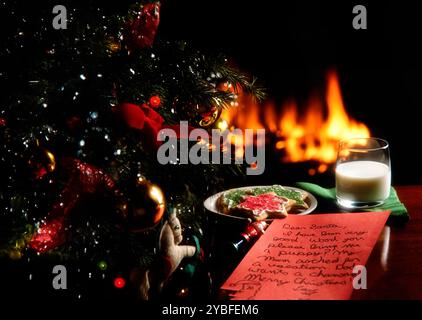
x: 148, y: 122
x: 142, y: 118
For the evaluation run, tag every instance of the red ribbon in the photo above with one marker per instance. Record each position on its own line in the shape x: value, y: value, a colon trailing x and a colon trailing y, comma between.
x: 84, y: 179
x: 142, y: 118
x: 148, y: 121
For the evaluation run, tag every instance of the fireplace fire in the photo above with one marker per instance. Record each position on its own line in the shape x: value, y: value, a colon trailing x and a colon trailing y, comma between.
x: 300, y: 134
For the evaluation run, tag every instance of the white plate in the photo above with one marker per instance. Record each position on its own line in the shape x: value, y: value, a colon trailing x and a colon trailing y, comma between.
x: 211, y: 203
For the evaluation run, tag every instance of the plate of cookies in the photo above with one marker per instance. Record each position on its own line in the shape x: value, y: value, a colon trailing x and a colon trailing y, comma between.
x: 258, y: 203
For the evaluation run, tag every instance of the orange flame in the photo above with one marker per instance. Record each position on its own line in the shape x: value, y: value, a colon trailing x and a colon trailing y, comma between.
x: 310, y: 136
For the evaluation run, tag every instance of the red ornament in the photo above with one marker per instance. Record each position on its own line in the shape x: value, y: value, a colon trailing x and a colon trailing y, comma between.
x: 2, y: 122
x: 40, y: 173
x: 119, y: 282
x: 41, y: 161
x: 226, y: 87
x: 140, y: 32
x: 154, y: 101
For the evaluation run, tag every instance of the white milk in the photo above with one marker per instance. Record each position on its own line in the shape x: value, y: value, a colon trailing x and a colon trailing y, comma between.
x: 363, y: 181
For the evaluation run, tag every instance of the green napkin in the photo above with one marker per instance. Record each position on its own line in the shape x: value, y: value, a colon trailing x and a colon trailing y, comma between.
x: 327, y: 200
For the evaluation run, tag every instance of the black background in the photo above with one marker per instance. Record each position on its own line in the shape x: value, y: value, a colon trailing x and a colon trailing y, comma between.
x: 289, y: 46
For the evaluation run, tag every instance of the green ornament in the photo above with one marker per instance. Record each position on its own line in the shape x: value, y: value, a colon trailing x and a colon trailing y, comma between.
x: 102, y: 265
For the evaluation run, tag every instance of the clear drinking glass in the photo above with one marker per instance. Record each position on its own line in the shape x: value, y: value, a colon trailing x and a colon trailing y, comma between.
x: 363, y: 172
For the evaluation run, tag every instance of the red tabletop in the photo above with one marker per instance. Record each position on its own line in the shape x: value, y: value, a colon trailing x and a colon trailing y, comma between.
x: 394, y: 269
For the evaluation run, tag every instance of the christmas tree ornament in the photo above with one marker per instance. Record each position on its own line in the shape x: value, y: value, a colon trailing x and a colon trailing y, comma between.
x: 148, y: 206
x: 199, y: 114
x: 15, y: 254
x: 113, y: 45
x: 2, y: 122
x: 155, y: 101
x: 199, y: 108
x: 171, y: 254
x: 20, y: 244
x: 102, y: 265
x: 41, y: 161
x: 226, y: 86
x: 209, y: 118
x: 170, y: 245
x: 140, y: 32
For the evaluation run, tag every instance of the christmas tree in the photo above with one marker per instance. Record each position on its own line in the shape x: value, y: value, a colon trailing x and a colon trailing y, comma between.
x: 84, y: 97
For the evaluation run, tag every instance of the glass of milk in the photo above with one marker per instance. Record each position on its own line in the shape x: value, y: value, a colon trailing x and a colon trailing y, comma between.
x: 363, y: 172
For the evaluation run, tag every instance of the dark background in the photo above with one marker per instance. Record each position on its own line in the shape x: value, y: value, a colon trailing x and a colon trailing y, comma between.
x: 289, y: 46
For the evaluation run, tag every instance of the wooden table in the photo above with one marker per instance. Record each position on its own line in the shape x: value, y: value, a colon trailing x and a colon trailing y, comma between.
x: 394, y: 269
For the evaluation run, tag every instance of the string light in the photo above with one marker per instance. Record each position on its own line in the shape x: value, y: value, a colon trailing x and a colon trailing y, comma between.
x: 119, y: 282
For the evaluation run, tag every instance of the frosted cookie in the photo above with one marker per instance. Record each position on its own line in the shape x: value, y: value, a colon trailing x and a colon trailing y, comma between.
x: 261, y: 203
